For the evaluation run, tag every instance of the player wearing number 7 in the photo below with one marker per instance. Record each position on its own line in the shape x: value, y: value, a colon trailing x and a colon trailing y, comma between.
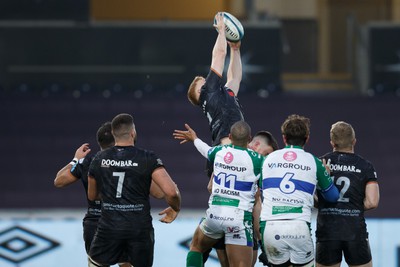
x: 121, y: 177
x: 290, y: 177
x: 341, y: 227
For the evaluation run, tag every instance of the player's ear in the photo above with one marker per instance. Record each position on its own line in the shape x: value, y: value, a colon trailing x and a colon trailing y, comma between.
x: 332, y: 144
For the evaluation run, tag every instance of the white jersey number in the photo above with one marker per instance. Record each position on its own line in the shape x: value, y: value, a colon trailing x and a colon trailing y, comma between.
x: 121, y: 177
x: 223, y: 179
x: 343, y: 180
x: 287, y: 186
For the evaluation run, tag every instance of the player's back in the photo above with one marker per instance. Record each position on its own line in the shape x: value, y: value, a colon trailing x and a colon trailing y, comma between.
x: 236, y: 173
x: 220, y: 106
x: 289, y: 178
x: 344, y: 220
x: 124, y: 176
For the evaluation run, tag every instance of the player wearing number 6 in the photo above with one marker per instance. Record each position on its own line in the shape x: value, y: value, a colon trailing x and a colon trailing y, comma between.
x: 290, y: 177
x: 341, y: 227
x: 122, y: 177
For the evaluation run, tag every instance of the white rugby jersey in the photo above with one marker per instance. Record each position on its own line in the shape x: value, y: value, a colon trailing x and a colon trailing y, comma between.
x: 289, y: 179
x: 236, y: 173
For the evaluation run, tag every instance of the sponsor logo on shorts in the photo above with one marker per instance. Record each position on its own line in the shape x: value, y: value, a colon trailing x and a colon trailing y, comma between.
x: 232, y: 229
x: 220, y: 218
x: 290, y: 156
x: 278, y: 237
x: 236, y: 236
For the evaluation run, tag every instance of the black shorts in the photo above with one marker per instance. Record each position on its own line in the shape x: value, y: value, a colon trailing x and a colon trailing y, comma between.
x: 139, y: 249
x: 89, y: 229
x: 355, y: 252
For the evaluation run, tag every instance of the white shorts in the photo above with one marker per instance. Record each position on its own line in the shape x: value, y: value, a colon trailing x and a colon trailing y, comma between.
x: 286, y: 240
x: 235, y: 224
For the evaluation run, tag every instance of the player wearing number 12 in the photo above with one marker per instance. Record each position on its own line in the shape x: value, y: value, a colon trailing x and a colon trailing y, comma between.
x: 341, y: 227
x: 289, y: 179
x: 122, y: 176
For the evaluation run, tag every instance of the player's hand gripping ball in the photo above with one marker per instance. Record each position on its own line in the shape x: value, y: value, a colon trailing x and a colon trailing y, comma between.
x: 234, y: 31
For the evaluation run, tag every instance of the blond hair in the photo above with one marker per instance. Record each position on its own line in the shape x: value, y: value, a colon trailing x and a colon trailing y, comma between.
x: 191, y: 94
x: 342, y: 135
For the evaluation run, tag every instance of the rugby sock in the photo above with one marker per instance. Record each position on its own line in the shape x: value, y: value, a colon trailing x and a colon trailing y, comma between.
x: 194, y: 259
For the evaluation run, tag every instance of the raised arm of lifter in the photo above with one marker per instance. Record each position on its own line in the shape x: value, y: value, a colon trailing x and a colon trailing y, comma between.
x: 219, y: 50
x: 235, y: 68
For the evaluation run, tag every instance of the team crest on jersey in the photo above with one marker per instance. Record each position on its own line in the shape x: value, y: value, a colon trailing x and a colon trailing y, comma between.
x: 290, y: 156
x: 228, y: 158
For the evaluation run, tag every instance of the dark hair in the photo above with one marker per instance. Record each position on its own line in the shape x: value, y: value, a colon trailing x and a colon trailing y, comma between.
x: 240, y: 133
x: 269, y: 139
x: 104, y: 136
x: 296, y: 130
x: 122, y: 125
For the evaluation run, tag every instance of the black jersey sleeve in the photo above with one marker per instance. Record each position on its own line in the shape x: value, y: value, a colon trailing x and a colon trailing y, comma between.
x: 81, y: 168
x: 94, y: 166
x: 371, y: 173
x: 155, y: 161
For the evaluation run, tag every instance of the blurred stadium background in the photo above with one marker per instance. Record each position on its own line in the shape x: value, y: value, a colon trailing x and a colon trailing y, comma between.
x: 68, y: 66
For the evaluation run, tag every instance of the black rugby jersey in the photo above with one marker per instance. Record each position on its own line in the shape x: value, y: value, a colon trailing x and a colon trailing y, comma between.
x: 221, y: 107
x: 80, y: 171
x: 345, y: 220
x: 123, y: 175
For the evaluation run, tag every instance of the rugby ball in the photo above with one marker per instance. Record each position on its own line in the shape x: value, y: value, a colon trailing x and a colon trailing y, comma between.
x: 234, y: 31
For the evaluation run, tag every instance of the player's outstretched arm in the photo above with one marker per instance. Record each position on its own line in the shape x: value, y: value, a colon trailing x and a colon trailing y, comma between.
x: 185, y: 136
x: 190, y: 135
x: 64, y: 176
x: 234, y: 76
x: 219, y: 50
